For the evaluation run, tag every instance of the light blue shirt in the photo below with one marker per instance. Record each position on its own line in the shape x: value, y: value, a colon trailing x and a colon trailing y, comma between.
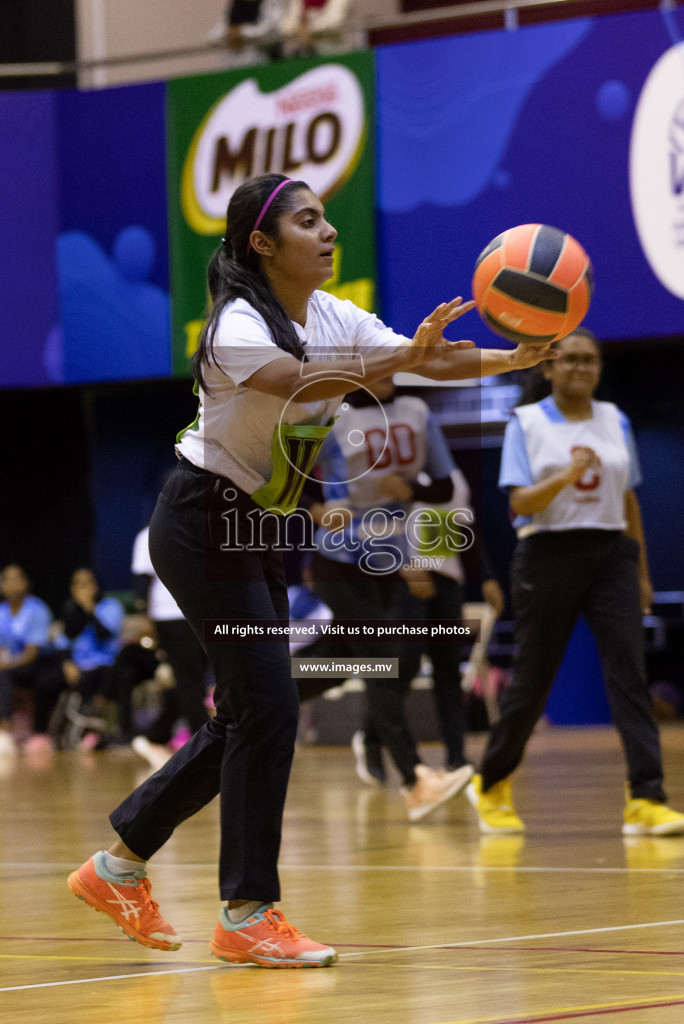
x: 28, y: 628
x: 87, y: 650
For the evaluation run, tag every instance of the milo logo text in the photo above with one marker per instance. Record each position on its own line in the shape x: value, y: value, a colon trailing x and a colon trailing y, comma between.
x: 312, y: 128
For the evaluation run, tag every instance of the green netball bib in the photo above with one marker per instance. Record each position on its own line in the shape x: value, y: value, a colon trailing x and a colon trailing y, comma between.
x: 294, y: 449
x: 435, y: 534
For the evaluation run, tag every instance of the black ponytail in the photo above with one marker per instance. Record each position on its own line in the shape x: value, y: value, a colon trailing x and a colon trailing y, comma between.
x: 235, y: 269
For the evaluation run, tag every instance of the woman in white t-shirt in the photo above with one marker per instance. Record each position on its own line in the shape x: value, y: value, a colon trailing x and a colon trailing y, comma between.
x: 569, y: 464
x: 274, y: 361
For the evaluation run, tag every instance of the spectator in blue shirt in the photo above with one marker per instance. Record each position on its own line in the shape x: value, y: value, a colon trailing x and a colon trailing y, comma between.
x: 92, y: 627
x: 83, y: 653
x: 92, y: 635
x: 24, y: 623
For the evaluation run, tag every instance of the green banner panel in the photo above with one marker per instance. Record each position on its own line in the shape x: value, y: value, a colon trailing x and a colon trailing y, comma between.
x: 311, y: 119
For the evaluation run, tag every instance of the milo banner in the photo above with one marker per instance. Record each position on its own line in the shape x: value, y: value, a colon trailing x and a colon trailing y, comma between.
x: 309, y: 119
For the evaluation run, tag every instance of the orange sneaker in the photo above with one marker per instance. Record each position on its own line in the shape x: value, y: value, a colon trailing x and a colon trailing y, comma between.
x: 268, y: 940
x: 433, y: 788
x: 127, y: 900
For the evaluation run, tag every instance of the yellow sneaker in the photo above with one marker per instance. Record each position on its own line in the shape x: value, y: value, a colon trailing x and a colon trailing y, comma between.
x: 651, y: 818
x: 494, y: 808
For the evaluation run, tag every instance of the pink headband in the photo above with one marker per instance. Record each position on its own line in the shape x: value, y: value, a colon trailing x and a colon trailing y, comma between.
x: 266, y: 205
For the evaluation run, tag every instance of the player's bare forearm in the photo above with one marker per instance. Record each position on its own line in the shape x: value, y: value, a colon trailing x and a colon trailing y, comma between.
x: 318, y: 380
x: 534, y: 498
x: 451, y: 362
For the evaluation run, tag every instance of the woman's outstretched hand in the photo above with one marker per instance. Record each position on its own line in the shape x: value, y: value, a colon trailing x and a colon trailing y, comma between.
x: 525, y: 355
x: 429, y: 335
x: 429, y: 352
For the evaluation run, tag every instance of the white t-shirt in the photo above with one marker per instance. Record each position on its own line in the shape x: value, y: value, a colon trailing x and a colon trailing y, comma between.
x: 235, y: 426
x: 161, y: 606
x: 539, y: 442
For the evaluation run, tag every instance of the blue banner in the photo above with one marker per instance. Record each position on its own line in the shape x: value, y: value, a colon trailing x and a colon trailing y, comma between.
x: 574, y: 124
x: 28, y: 228
x: 112, y: 250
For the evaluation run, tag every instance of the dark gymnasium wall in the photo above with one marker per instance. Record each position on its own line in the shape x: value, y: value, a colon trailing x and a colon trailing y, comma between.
x: 36, y: 31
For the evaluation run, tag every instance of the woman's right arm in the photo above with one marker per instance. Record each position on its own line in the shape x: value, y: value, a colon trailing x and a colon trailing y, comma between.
x: 320, y: 379
x: 428, y: 354
x: 536, y: 497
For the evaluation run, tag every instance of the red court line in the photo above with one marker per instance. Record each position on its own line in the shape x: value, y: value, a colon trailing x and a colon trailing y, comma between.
x: 89, y: 938
x: 382, y: 945
x: 591, y: 1013
x: 570, y: 949
x: 455, y: 948
x: 376, y: 945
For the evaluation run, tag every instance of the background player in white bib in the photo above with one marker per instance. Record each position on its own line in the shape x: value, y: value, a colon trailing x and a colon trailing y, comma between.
x: 274, y: 360
x: 370, y: 464
x: 569, y: 464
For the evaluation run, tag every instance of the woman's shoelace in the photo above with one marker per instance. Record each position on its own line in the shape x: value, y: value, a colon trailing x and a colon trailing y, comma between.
x: 277, y: 920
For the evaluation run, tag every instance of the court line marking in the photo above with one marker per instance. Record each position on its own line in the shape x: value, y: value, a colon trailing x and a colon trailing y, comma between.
x: 50, y: 958
x: 570, y: 1012
x: 517, y: 969
x: 112, y: 977
x: 373, y: 952
x: 81, y: 959
x: 584, y: 949
x: 517, y: 938
x: 522, y: 869
x: 120, y: 939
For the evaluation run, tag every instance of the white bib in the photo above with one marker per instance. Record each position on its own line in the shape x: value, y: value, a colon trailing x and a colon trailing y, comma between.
x: 596, y: 501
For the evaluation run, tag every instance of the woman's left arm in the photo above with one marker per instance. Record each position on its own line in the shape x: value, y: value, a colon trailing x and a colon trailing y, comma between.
x: 461, y: 359
x: 635, y: 530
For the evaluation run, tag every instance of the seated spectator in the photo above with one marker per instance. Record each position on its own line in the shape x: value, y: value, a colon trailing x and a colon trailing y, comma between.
x: 320, y: 26
x: 136, y: 663
x: 24, y: 623
x: 251, y: 31
x: 84, y: 652
x: 178, y: 647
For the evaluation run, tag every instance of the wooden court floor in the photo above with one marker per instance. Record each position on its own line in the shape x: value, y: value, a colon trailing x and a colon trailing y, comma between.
x: 433, y: 924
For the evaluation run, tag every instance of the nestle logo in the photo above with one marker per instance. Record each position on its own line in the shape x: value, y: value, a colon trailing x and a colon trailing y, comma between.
x: 311, y: 128
x: 306, y: 98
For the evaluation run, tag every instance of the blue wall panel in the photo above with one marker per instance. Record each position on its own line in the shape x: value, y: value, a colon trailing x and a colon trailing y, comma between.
x: 479, y: 133
x: 112, y: 253
x: 29, y: 216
